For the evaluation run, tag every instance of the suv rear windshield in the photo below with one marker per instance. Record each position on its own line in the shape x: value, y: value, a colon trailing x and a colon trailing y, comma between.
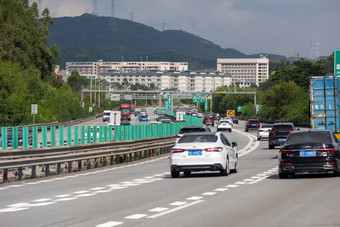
x: 315, y: 137
x: 283, y: 127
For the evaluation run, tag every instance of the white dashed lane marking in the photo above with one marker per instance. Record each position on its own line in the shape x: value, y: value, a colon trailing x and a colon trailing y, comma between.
x: 159, y: 209
x: 209, y: 193
x: 136, y: 216
x: 195, y: 198
x: 179, y: 203
x: 110, y: 224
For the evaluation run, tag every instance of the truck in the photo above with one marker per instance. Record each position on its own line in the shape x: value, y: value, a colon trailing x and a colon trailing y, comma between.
x: 124, y: 108
x: 325, y: 103
x: 115, y: 118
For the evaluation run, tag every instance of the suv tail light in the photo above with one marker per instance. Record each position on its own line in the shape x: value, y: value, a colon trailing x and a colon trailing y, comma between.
x: 272, y: 131
x: 177, y: 150
x: 178, y: 137
x: 291, y: 131
x: 214, y: 149
x: 328, y: 149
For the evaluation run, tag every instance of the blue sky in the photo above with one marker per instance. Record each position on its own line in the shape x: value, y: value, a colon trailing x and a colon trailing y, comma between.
x: 285, y: 27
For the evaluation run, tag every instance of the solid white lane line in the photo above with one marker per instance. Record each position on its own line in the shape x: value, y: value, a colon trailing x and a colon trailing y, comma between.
x: 195, y: 198
x: 136, y: 216
x: 175, y: 209
x: 159, y: 209
x: 110, y: 224
x: 85, y: 195
x: 179, y: 203
x: 248, y: 180
x: 258, y: 180
x: 97, y: 188
x: 19, y: 205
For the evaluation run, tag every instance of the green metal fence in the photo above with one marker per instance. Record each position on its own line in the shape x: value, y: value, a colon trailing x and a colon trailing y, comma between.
x: 88, y: 134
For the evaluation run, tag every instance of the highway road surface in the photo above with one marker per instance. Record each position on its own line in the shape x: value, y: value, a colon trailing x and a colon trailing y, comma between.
x: 144, y: 194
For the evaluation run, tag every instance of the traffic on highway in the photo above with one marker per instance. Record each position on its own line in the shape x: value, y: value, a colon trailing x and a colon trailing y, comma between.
x: 183, y: 188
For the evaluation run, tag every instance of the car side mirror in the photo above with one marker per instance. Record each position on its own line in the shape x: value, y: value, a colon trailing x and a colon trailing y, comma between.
x: 233, y: 144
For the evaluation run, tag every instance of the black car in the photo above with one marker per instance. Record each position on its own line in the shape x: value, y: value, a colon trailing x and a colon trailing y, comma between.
x: 309, y: 151
x: 235, y: 119
x: 252, y: 124
x: 20, y: 138
x: 279, y: 133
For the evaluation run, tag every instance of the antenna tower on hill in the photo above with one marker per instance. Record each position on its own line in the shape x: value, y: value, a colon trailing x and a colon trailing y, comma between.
x: 112, y: 25
x: 95, y: 9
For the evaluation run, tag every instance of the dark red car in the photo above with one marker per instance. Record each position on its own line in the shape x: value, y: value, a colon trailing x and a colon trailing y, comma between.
x: 208, y: 120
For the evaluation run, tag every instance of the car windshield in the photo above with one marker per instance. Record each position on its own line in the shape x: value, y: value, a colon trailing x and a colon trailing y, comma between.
x: 125, y: 110
x: 253, y: 122
x: 266, y: 126
x: 197, y: 138
x: 106, y: 113
x: 310, y: 137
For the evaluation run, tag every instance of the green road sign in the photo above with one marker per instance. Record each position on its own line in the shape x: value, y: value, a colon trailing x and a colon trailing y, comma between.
x: 337, y: 62
x: 239, y: 108
x: 167, y: 105
x: 198, y: 100
x: 169, y: 97
x: 206, y: 106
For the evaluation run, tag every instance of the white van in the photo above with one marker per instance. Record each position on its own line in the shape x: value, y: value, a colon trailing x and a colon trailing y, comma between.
x: 106, y: 115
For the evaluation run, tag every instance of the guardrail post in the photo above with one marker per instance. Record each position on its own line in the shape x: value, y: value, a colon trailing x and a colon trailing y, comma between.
x: 61, y: 136
x: 4, y: 143
x: 95, y: 134
x: 20, y: 173
x: 35, y: 137
x: 58, y: 168
x: 47, y: 170
x: 117, y: 159
x: 82, y: 134
x: 25, y: 144
x: 69, y: 167
x: 44, y: 136
x: 4, y: 175
x: 34, y: 169
x: 69, y: 135
x: 79, y: 165
x: 15, y: 137
x: 88, y: 164
x: 53, y: 136
x: 111, y: 160
x: 104, y: 161
x: 76, y: 135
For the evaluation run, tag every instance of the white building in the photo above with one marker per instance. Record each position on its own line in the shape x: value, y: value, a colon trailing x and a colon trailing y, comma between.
x: 185, y: 81
x: 245, y: 71
x: 95, y: 69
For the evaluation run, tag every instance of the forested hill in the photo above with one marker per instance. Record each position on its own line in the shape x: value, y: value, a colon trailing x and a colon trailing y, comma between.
x: 88, y: 38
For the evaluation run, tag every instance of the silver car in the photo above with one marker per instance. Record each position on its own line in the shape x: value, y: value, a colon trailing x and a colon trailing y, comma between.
x: 263, y: 131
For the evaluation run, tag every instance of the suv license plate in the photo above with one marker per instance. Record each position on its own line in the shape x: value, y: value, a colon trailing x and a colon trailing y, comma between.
x: 282, y: 139
x: 307, y: 153
x: 195, y: 153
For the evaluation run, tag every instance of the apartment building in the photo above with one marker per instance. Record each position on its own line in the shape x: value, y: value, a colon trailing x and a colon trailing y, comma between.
x: 185, y: 81
x: 245, y: 71
x: 95, y: 69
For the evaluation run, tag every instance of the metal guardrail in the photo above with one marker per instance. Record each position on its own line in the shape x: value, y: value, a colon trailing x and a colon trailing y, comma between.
x: 100, y: 154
